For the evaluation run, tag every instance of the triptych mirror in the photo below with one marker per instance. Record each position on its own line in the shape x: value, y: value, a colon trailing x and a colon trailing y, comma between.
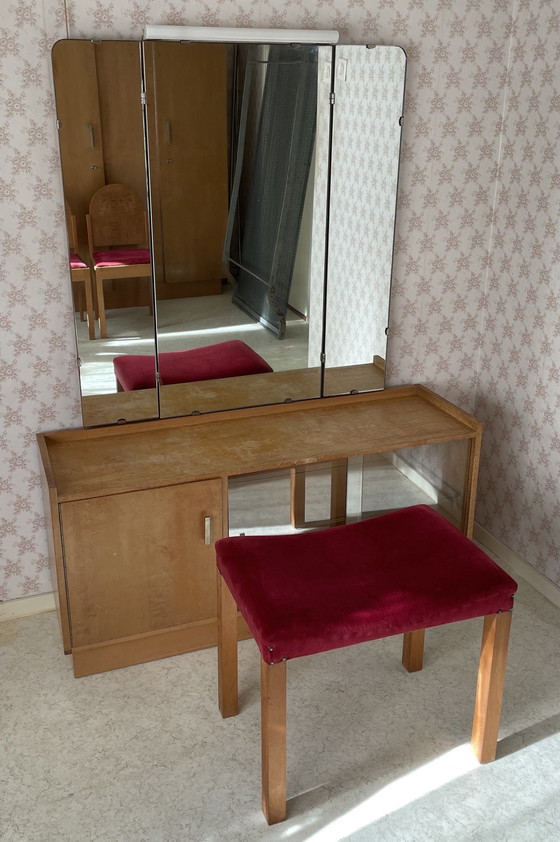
x: 231, y: 215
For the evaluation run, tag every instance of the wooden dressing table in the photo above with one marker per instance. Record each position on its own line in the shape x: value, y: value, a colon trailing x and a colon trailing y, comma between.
x: 135, y: 508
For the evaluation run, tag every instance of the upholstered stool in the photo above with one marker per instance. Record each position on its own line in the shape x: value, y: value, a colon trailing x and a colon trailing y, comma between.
x: 315, y: 591
x: 225, y: 359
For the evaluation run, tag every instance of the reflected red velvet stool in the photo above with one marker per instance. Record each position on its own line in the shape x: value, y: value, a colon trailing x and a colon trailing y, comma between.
x: 311, y: 592
x: 212, y: 362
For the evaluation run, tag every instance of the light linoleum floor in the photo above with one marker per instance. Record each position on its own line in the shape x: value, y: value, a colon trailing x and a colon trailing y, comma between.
x: 184, y: 324
x: 374, y: 753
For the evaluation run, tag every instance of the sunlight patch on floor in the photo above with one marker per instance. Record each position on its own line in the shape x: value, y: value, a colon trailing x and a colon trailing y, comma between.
x: 411, y: 787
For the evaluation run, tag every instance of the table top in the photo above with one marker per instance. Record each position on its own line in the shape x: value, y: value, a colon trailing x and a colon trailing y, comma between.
x: 83, y: 463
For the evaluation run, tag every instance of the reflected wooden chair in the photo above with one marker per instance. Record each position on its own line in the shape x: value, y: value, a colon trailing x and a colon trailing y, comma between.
x: 311, y: 592
x: 80, y: 272
x: 117, y: 236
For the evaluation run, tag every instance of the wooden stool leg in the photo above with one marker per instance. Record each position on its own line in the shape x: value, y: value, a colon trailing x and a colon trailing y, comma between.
x: 273, y: 740
x: 101, y: 306
x: 413, y: 650
x: 490, y: 685
x: 339, y: 486
x: 228, y: 698
x: 89, y: 308
x: 297, y: 497
x: 338, y: 475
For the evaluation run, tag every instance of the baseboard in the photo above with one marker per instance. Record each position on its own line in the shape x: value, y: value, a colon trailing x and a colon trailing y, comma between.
x: 518, y: 566
x: 26, y: 606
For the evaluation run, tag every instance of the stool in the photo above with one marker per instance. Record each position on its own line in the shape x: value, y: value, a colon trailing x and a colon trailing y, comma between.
x: 212, y: 362
x: 399, y: 573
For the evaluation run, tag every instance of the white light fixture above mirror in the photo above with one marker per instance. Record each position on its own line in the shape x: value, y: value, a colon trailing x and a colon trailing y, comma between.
x: 231, y: 34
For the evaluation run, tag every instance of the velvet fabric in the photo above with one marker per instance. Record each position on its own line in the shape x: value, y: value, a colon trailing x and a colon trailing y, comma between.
x: 225, y: 359
x: 76, y: 262
x: 121, y: 257
x: 314, y: 591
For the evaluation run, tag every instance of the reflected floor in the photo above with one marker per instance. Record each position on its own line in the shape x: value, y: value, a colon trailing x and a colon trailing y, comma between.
x: 260, y: 504
x: 184, y: 324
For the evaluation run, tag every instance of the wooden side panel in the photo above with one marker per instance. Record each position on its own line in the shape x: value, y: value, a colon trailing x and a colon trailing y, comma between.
x: 54, y: 538
x: 80, y: 135
x: 137, y: 562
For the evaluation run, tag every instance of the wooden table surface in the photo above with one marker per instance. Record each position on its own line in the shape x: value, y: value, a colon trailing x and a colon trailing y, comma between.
x: 84, y: 463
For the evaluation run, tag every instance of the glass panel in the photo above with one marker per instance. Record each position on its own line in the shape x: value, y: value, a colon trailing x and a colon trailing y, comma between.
x: 369, y: 90
x: 231, y: 139
x: 332, y: 493
x: 97, y: 87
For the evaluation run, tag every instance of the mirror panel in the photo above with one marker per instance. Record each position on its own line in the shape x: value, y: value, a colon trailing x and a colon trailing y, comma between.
x: 237, y: 213
x: 101, y: 136
x: 245, y: 168
x: 369, y: 91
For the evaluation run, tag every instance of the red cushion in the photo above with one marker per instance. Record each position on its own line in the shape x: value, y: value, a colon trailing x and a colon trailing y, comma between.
x: 314, y: 591
x: 76, y: 262
x: 121, y: 257
x: 225, y: 359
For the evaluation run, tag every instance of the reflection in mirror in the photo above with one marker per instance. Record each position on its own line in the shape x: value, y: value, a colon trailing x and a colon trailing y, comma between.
x: 366, y: 135
x: 232, y: 221
x: 101, y: 136
x: 240, y: 170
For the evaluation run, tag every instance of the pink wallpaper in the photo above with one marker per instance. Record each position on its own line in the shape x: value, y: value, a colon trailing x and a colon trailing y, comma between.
x: 519, y: 369
x: 475, y: 309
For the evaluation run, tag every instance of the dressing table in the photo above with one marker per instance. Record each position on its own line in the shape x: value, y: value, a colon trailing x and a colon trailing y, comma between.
x: 135, y: 508
x: 137, y: 496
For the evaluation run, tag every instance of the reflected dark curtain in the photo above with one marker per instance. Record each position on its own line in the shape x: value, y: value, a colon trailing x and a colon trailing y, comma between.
x: 271, y: 179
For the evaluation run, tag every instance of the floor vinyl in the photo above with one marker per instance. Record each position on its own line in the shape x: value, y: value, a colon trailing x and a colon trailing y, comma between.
x: 374, y: 753
x: 184, y: 324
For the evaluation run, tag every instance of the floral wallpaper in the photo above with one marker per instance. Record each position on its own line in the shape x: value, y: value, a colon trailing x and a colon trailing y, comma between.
x: 518, y: 390
x: 475, y: 303
x: 369, y: 88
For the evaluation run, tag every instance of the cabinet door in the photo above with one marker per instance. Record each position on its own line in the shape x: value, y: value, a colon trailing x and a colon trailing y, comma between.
x: 138, y: 562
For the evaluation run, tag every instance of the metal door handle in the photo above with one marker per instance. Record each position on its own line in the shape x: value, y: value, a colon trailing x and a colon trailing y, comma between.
x: 208, y: 530
x: 91, y: 136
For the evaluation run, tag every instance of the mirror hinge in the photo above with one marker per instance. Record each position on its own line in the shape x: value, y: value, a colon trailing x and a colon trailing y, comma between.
x: 323, y: 358
x: 332, y: 98
x: 142, y: 97
x: 58, y: 124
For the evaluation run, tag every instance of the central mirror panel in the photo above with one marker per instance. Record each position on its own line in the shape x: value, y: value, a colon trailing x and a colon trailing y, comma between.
x: 231, y: 136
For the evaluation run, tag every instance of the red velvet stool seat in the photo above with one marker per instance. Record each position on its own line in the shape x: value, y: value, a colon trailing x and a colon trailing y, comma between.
x: 314, y: 591
x: 225, y: 359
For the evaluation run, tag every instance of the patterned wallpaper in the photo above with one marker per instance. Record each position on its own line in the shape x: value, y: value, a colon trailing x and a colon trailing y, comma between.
x: 369, y: 103
x: 475, y: 306
x: 519, y: 370
x: 365, y: 157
